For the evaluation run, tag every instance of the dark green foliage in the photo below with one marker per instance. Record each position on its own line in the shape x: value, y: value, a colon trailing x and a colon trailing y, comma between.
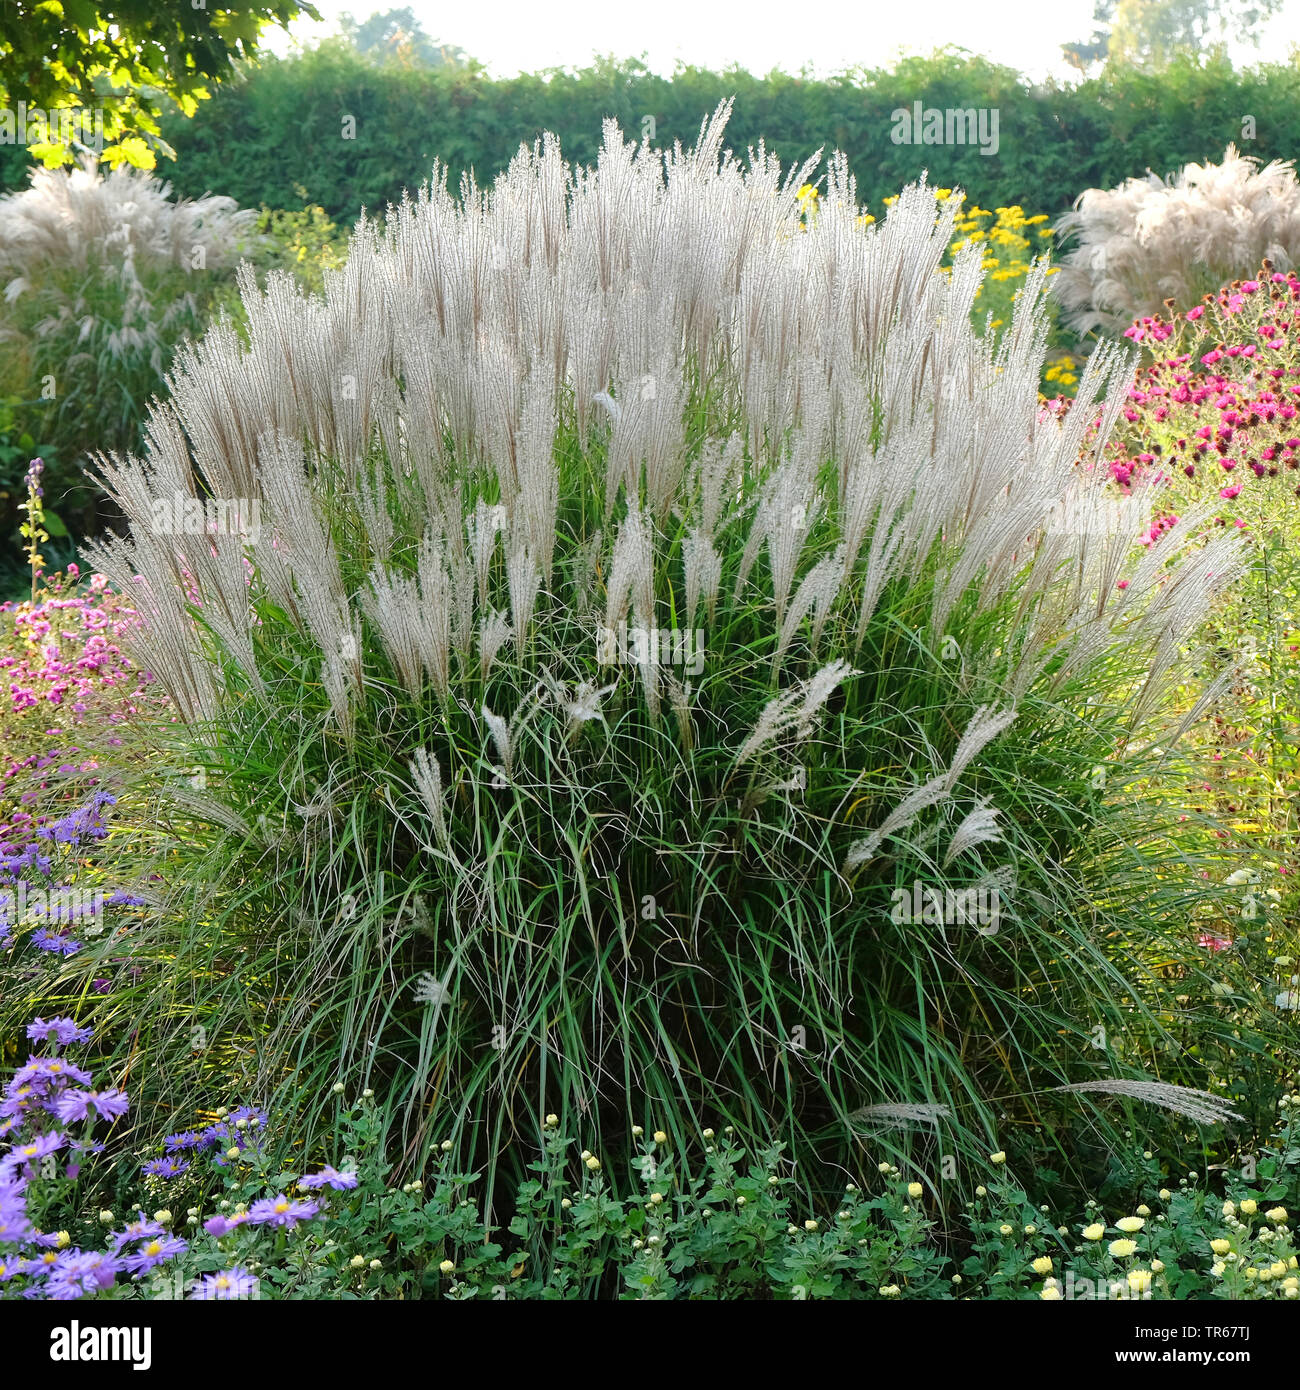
x: 283, y: 125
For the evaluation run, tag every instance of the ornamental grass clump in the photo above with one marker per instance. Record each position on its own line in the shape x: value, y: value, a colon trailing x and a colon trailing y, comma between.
x: 101, y: 278
x: 1151, y: 239
x: 647, y: 588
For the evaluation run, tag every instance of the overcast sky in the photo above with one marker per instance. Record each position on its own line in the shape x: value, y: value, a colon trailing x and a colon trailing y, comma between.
x: 512, y: 36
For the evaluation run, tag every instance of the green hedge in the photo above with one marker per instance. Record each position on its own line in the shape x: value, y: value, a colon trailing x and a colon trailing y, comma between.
x: 282, y: 124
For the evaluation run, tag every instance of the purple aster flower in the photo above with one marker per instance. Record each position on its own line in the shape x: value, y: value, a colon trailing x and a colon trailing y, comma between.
x: 328, y: 1177
x: 153, y: 1252
x: 56, y: 945
x: 164, y: 1167
x: 75, y: 1105
x: 80, y: 1274
x: 219, y: 1226
x: 137, y: 1230
x: 279, y: 1211
x: 14, y: 1227
x: 40, y: 1071
x: 32, y: 1152
x: 183, y: 1142
x: 230, y: 1283
x: 62, y: 1030
x: 39, y: 1267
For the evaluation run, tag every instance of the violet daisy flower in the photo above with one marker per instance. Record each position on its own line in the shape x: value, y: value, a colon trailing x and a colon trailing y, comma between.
x: 57, y: 945
x: 229, y: 1283
x: 32, y: 1152
x: 43, y: 1070
x: 14, y: 1227
x: 62, y: 1030
x: 280, y: 1211
x: 153, y: 1252
x: 164, y: 1167
x: 328, y: 1177
x: 74, y: 1105
x: 80, y: 1274
x: 184, y: 1141
x: 137, y: 1230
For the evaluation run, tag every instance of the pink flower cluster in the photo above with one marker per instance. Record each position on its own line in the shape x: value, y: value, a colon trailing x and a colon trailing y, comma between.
x: 69, y: 656
x: 72, y: 694
x: 1227, y: 407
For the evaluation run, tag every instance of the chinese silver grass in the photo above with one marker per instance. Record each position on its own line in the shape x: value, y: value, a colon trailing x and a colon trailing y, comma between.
x: 426, y: 777
x: 493, y: 634
x: 483, y: 524
x: 671, y: 399
x: 1204, y: 1107
x: 524, y: 578
x: 930, y: 432
x: 208, y: 808
x: 500, y: 734
x: 631, y: 573
x: 72, y: 215
x: 796, y: 709
x: 817, y: 591
x: 985, y: 725
x: 393, y: 606
x: 978, y: 827
x: 703, y: 566
x: 679, y: 700
x: 899, y: 1114
x: 1152, y: 239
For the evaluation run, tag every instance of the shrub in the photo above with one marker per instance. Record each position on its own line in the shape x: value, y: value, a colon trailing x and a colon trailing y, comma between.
x: 467, y: 839
x: 1154, y: 241
x: 1054, y: 139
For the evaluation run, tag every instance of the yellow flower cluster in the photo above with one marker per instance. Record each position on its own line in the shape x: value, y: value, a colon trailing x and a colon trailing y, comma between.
x: 1062, y: 371
x: 1007, y: 237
